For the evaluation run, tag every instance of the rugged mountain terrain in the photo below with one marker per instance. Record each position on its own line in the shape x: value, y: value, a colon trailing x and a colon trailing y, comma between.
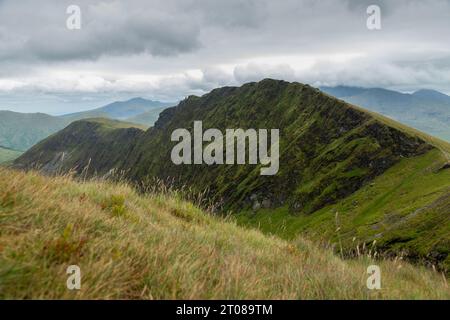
x: 130, y: 246
x: 330, y: 152
x: 426, y: 110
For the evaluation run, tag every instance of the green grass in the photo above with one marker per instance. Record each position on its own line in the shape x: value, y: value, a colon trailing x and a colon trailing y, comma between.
x: 159, y: 247
x: 406, y: 210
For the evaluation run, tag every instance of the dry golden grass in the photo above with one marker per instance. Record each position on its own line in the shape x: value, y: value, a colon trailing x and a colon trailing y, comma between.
x: 160, y: 247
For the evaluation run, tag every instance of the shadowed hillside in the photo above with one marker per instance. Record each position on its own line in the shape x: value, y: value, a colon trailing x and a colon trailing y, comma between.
x: 102, y: 142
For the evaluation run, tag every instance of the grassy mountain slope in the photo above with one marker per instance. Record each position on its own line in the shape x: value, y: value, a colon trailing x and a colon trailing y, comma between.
x: 159, y: 247
x: 7, y: 154
x: 426, y: 110
x: 20, y: 131
x: 92, y: 146
x: 406, y: 210
x: 328, y: 149
x: 330, y: 153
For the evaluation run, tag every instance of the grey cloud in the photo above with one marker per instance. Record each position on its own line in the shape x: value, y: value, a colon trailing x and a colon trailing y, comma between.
x: 108, y: 28
x: 173, y: 48
x: 255, y: 72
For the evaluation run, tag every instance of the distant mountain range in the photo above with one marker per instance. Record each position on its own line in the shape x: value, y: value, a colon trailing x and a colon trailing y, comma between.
x: 20, y: 131
x: 426, y: 110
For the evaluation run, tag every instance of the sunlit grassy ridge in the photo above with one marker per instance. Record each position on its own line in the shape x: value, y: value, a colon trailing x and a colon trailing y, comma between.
x: 152, y: 247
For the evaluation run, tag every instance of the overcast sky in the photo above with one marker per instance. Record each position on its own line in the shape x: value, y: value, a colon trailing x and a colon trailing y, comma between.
x: 166, y: 50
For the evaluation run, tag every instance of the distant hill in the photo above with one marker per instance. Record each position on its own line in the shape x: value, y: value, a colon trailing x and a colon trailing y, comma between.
x: 147, y: 118
x: 389, y: 182
x: 7, y: 154
x: 426, y: 110
x: 20, y: 131
x: 120, y: 110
